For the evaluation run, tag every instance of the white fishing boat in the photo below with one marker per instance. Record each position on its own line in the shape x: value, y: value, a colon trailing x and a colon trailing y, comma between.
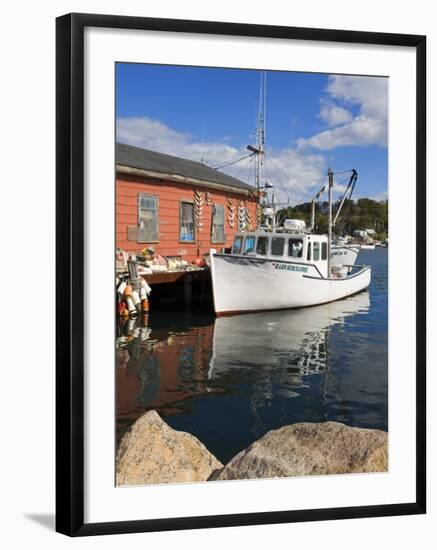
x: 267, y: 271
x: 287, y: 266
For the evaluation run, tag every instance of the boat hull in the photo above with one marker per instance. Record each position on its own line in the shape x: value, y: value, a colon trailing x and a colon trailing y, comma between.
x: 344, y: 254
x: 242, y: 284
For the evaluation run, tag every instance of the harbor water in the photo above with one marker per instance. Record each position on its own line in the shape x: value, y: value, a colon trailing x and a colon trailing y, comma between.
x: 230, y: 380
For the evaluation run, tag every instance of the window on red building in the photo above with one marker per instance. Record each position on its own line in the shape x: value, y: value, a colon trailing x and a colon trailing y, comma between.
x: 186, y: 223
x: 218, y: 224
x: 147, y: 218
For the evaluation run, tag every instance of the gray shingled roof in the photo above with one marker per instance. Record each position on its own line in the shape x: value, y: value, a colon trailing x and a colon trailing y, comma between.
x: 143, y: 159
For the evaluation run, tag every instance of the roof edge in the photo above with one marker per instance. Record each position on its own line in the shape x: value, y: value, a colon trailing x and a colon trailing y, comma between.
x: 128, y: 170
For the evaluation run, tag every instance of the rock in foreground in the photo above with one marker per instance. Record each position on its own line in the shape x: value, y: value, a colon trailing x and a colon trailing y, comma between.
x: 152, y: 452
x: 310, y: 449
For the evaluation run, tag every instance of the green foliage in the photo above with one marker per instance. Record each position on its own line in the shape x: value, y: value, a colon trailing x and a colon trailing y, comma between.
x: 360, y: 214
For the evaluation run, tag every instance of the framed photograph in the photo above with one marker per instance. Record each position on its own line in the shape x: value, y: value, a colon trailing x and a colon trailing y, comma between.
x: 240, y: 274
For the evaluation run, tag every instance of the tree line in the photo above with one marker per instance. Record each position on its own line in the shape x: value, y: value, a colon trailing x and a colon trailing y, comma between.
x: 355, y: 215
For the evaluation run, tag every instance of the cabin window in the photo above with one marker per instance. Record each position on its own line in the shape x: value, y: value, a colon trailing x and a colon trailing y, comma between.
x: 218, y: 224
x: 277, y: 248
x: 249, y: 244
x: 262, y: 245
x: 238, y: 244
x: 309, y: 252
x: 187, y: 231
x: 316, y: 251
x: 295, y: 247
x: 147, y: 218
x: 324, y: 251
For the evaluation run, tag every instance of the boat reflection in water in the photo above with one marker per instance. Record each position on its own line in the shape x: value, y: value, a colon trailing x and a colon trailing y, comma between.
x: 231, y: 379
x: 280, y: 339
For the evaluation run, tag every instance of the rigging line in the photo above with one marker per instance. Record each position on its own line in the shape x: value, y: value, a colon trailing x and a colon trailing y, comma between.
x: 341, y: 182
x: 244, y: 166
x: 305, y: 193
x: 232, y: 162
x: 248, y: 165
x: 277, y: 178
x: 283, y: 189
x: 342, y: 172
x: 249, y: 172
x: 295, y: 189
x: 299, y: 192
x: 314, y: 189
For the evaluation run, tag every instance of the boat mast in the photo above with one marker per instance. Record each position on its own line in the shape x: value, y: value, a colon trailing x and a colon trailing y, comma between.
x: 261, y: 129
x: 258, y: 149
x: 330, y: 184
x: 260, y: 134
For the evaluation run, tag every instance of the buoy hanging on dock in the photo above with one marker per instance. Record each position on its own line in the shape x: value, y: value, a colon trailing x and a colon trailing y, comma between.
x: 122, y: 309
x: 136, y: 300
x: 132, y: 297
x: 144, y: 300
x: 144, y: 292
x: 145, y: 286
x: 130, y: 305
x: 121, y: 288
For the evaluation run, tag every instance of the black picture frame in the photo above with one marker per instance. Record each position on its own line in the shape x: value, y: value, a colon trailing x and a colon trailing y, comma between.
x: 70, y: 273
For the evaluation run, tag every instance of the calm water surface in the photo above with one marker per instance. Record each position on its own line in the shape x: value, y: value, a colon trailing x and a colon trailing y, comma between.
x: 230, y: 380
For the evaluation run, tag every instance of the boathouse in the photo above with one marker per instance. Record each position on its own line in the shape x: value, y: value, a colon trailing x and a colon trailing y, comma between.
x: 180, y: 207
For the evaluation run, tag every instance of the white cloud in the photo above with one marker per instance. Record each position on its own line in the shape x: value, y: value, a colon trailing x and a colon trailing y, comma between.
x: 296, y: 175
x: 333, y: 114
x: 368, y: 127
x: 292, y: 172
x: 152, y: 134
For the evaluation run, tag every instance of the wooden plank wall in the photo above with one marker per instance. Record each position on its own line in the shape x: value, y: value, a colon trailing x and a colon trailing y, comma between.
x: 170, y: 194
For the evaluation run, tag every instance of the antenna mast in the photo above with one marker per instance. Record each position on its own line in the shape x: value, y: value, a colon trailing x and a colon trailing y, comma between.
x: 260, y: 134
x: 261, y: 129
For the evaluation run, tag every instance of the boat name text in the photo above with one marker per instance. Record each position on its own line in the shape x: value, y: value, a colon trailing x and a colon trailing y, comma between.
x: 291, y: 267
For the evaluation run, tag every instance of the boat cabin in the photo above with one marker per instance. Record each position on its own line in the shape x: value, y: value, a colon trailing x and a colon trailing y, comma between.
x: 301, y: 248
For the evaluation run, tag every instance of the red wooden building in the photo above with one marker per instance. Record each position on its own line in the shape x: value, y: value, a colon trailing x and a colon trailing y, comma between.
x: 180, y: 207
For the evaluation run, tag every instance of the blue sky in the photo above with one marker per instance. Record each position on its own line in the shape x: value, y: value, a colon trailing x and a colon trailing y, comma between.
x: 312, y: 121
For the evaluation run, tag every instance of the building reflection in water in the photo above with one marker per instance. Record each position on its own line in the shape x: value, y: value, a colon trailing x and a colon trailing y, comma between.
x: 171, y: 361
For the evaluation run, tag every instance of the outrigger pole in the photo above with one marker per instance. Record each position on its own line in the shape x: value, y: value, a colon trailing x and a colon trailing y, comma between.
x: 350, y: 186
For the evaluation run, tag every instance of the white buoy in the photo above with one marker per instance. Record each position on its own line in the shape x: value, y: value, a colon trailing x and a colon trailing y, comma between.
x: 121, y: 288
x: 130, y: 305
x: 145, y: 286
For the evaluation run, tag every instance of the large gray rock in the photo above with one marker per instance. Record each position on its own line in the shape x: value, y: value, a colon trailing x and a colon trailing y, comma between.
x: 310, y: 449
x: 152, y: 452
